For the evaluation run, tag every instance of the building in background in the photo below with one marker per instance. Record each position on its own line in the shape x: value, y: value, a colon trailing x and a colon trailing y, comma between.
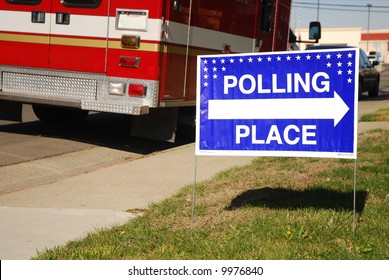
x: 375, y: 41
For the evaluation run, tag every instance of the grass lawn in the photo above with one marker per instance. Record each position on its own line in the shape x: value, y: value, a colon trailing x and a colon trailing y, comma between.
x: 273, y: 208
x: 381, y: 115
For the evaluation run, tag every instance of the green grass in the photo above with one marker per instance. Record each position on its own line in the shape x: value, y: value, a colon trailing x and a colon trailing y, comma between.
x: 274, y: 208
x: 381, y: 115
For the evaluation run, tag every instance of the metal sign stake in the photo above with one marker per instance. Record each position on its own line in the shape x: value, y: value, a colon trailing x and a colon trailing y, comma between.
x: 194, y: 194
x: 355, y: 198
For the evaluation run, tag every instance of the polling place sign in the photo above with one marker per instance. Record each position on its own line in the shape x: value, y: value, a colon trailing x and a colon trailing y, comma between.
x: 278, y: 104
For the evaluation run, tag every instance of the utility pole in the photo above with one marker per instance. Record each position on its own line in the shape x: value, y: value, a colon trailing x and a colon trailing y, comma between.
x: 368, y: 27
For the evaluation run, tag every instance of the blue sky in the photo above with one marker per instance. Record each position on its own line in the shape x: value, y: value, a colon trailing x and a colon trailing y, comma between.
x: 340, y: 13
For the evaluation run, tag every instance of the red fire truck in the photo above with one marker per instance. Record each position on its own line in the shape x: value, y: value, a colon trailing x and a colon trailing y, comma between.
x: 136, y: 57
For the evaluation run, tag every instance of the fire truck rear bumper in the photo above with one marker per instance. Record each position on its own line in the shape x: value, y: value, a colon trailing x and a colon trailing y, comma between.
x: 84, y: 105
x: 115, y: 108
x: 91, y: 92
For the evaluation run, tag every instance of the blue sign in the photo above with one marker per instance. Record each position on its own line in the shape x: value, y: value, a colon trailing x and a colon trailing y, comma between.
x: 278, y: 104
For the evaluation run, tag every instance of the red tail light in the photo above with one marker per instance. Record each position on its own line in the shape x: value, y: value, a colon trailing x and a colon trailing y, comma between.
x: 129, y: 61
x: 137, y: 90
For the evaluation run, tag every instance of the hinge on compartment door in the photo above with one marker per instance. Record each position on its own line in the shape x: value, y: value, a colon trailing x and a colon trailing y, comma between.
x: 164, y: 29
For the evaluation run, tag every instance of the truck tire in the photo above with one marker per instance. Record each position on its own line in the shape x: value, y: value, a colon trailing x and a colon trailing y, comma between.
x: 374, y: 92
x: 59, y: 115
x: 360, y: 89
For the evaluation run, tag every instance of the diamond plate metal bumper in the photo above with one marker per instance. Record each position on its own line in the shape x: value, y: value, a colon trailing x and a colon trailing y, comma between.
x: 70, y: 89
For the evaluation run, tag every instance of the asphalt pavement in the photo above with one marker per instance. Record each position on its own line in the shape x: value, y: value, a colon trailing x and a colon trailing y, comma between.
x: 52, y: 212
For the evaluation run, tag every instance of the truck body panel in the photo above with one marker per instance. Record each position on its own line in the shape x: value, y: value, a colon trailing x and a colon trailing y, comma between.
x: 125, y: 56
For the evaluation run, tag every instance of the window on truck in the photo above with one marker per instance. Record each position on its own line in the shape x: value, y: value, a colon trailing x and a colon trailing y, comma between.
x: 363, y: 59
x: 24, y: 2
x: 81, y: 3
x: 266, y: 15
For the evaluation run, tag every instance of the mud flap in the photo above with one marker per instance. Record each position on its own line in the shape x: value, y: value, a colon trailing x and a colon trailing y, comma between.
x: 159, y: 124
x: 11, y: 111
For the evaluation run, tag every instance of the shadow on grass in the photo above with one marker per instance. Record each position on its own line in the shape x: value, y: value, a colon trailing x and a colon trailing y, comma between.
x: 281, y: 198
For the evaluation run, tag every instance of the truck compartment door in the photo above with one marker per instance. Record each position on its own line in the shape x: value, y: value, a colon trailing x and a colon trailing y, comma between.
x: 66, y: 35
x: 24, y: 32
x: 78, y: 39
x: 175, y: 52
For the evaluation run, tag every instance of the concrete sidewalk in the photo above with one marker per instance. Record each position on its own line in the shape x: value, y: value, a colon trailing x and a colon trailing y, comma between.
x: 50, y: 214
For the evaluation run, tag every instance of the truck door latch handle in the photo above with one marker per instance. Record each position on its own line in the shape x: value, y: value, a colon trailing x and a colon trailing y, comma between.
x: 38, y: 17
x: 62, y: 18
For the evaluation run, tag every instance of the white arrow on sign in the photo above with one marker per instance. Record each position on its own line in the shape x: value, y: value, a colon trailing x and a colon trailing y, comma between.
x: 282, y: 108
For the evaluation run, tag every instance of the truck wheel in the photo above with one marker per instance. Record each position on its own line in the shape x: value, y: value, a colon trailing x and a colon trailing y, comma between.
x: 360, y: 89
x: 59, y: 115
x: 374, y: 92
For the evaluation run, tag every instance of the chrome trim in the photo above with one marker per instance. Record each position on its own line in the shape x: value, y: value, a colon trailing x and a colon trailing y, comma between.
x: 144, y: 13
x: 177, y: 103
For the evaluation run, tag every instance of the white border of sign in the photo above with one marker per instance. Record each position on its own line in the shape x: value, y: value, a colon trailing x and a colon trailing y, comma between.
x: 317, y: 154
